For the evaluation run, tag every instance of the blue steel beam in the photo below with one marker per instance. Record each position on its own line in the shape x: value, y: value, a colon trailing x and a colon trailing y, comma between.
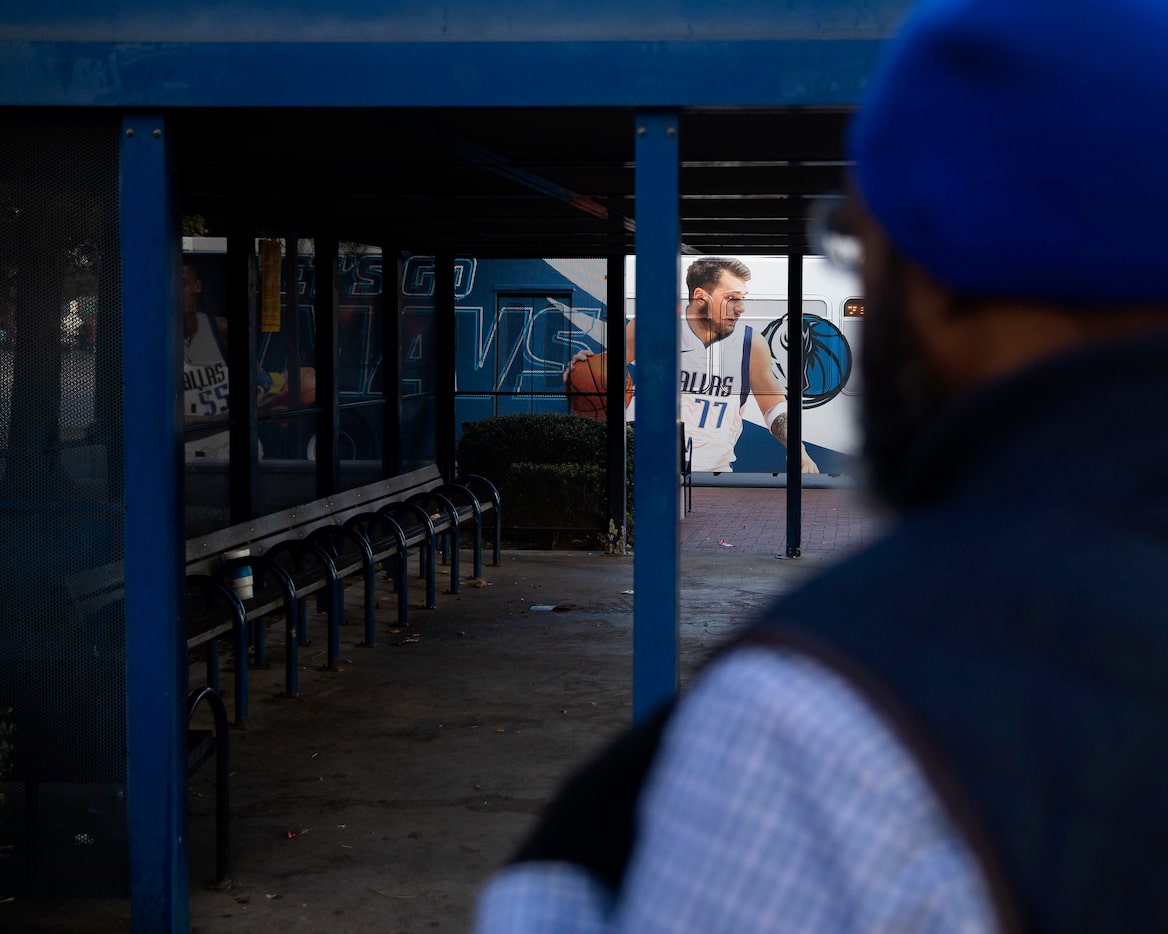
x: 746, y: 73
x: 656, y: 455
x: 155, y: 648
x: 452, y: 20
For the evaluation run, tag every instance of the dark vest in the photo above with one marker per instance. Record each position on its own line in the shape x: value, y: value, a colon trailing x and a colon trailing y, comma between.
x: 1013, y: 629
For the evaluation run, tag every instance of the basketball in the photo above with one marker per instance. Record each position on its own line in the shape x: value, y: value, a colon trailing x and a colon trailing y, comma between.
x: 587, y: 386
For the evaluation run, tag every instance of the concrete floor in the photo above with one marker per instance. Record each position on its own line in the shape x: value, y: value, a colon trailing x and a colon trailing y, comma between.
x: 385, y: 794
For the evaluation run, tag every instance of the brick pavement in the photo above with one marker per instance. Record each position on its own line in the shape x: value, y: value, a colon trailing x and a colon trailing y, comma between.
x: 753, y: 520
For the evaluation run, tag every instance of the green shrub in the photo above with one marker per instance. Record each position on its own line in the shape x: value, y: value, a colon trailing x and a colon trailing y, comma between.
x: 491, y: 445
x: 556, y: 496
x: 550, y: 468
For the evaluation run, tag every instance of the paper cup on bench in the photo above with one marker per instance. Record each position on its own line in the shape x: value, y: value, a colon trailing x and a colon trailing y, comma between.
x: 241, y: 577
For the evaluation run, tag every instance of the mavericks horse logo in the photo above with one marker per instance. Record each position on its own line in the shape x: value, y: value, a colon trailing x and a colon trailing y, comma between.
x: 827, y: 358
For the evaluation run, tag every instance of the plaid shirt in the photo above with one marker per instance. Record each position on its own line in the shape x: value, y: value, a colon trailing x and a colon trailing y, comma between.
x: 778, y: 801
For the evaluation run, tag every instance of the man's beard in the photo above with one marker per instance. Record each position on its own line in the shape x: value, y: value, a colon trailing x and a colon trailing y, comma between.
x: 900, y: 392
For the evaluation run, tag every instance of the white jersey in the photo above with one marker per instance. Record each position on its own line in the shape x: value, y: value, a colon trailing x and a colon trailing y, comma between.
x: 205, y: 389
x: 204, y: 374
x: 715, y: 382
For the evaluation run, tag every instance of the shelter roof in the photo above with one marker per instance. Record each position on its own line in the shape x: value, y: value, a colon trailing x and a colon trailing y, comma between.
x: 505, y: 128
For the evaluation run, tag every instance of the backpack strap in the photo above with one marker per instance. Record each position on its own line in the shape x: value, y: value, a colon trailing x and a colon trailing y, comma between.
x: 591, y: 820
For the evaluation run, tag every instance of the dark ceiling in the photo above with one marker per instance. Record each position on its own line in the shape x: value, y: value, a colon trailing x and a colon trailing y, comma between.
x: 505, y: 182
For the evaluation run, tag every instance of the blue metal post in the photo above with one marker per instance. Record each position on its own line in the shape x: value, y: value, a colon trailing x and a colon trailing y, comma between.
x: 445, y: 337
x: 656, y: 457
x: 794, y: 405
x: 241, y: 356
x: 155, y: 647
x: 391, y: 341
x: 616, y: 455
x: 328, y: 425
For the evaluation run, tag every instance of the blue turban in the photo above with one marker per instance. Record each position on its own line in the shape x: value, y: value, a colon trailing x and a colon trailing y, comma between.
x: 1019, y: 148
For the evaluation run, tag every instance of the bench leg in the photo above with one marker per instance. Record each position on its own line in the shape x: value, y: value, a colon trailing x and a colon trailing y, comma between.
x: 222, y: 797
x: 335, y: 617
x: 302, y: 621
x: 478, y: 545
x: 455, y: 573
x: 221, y: 752
x: 239, y: 634
x: 291, y: 652
x: 370, y: 603
x: 222, y: 812
x: 431, y: 574
x: 259, y: 634
x: 212, y: 654
x: 403, y: 588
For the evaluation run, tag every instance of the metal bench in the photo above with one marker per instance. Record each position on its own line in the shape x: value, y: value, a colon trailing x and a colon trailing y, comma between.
x: 309, y: 550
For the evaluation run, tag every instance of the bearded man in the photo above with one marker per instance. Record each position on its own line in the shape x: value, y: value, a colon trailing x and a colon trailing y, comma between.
x: 961, y: 728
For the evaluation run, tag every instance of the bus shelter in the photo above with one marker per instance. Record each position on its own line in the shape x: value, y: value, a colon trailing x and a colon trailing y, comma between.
x: 282, y: 158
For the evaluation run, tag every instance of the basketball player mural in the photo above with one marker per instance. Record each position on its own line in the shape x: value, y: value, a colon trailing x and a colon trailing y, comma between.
x: 206, y: 388
x: 205, y: 384
x: 722, y: 363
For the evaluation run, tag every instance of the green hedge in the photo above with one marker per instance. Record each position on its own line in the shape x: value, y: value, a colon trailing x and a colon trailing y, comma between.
x: 494, y: 444
x: 556, y: 496
x: 550, y: 469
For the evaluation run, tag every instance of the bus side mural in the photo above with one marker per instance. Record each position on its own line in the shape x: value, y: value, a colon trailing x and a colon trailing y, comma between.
x: 518, y: 325
x: 832, y: 321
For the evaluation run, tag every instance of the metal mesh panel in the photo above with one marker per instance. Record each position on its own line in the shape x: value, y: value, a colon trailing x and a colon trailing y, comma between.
x: 62, y: 628
x: 359, y: 364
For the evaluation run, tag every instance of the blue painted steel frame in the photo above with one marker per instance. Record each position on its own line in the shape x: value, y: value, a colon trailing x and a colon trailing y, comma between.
x: 347, y: 21
x: 656, y: 457
x: 155, y: 647
x: 744, y: 73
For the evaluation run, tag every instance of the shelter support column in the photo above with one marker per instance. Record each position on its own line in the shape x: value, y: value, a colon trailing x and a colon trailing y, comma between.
x: 391, y: 342
x: 446, y: 349
x: 241, y: 355
x: 794, y: 405
x: 657, y: 458
x: 616, y: 440
x: 328, y: 426
x: 155, y: 647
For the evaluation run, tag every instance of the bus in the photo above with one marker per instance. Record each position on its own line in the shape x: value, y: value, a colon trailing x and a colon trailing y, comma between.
x: 518, y: 324
x: 833, y: 310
